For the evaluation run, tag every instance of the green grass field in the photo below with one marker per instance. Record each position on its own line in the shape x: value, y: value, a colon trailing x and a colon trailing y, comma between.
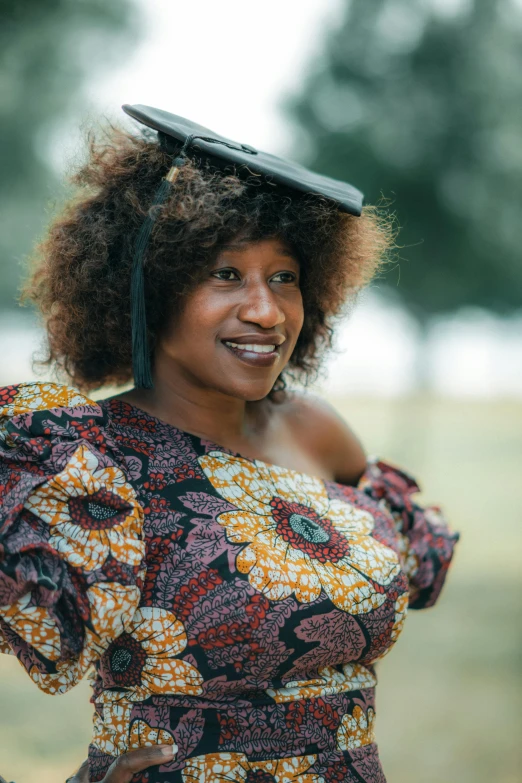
x: 450, y: 694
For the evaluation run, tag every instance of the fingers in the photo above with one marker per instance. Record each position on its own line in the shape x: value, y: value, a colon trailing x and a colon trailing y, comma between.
x: 123, y: 769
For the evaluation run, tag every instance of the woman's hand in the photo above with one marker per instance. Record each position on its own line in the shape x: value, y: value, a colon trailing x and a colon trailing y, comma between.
x: 125, y: 767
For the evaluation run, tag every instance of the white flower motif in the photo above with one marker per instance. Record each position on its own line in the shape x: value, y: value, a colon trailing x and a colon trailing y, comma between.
x: 92, y: 511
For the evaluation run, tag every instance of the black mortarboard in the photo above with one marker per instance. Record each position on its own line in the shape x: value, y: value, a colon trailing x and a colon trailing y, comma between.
x: 181, y: 135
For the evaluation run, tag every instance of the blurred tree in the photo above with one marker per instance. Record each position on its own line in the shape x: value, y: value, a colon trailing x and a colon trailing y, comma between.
x: 47, y: 50
x: 422, y: 102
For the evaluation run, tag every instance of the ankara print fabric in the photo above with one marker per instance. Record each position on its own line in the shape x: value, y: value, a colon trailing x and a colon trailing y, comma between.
x: 425, y: 547
x: 268, y: 596
x: 71, y: 545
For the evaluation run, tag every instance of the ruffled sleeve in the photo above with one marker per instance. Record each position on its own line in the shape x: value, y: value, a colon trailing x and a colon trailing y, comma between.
x: 426, y: 544
x: 71, y: 548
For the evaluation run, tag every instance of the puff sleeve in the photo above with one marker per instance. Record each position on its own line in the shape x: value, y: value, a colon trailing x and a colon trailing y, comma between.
x: 426, y: 544
x: 71, y: 548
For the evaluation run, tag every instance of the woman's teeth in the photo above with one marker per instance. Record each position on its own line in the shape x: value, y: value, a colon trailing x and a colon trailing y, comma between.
x: 253, y: 348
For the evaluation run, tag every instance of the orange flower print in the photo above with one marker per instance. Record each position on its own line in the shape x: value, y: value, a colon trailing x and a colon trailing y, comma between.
x: 35, y: 625
x: 92, y: 512
x: 356, y: 729
x: 299, y: 541
x: 236, y: 768
x: 112, y: 735
x: 40, y: 396
x: 142, y: 735
x: 142, y: 661
x: 111, y: 728
x: 111, y: 608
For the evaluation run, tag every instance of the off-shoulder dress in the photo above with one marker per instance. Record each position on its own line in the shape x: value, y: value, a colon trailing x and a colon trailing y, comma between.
x: 228, y: 606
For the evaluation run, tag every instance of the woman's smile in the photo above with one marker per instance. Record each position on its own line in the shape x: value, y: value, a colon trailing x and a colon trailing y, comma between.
x: 255, y: 355
x: 256, y: 350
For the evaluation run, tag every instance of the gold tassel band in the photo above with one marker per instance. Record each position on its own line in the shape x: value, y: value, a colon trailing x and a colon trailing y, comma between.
x: 172, y: 174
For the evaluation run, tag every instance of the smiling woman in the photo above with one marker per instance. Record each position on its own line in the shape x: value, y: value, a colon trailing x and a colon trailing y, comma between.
x: 246, y: 313
x: 83, y: 269
x: 216, y: 545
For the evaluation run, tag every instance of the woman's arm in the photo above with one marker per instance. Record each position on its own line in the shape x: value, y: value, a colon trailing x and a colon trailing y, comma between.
x: 69, y: 579
x: 126, y: 766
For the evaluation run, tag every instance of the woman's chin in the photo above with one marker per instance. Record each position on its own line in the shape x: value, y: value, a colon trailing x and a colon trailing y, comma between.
x: 250, y: 392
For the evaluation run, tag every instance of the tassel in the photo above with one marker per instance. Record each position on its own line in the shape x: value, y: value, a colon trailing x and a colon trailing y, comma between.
x: 141, y: 359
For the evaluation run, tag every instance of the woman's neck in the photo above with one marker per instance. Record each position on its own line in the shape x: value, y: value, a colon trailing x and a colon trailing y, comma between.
x: 204, y: 412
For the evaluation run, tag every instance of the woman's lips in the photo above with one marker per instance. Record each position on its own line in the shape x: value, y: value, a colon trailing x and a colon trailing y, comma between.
x: 254, y: 354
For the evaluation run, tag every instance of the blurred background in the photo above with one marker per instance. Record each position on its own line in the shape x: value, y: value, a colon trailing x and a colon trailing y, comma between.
x: 418, y: 103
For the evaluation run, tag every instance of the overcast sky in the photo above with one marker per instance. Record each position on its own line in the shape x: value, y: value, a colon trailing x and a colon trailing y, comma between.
x: 225, y: 64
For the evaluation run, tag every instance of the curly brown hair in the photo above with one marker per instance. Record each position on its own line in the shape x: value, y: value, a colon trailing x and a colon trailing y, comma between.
x: 81, y: 279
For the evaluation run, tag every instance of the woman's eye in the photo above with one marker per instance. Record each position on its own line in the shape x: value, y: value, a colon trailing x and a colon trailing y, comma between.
x: 284, y: 277
x: 225, y: 274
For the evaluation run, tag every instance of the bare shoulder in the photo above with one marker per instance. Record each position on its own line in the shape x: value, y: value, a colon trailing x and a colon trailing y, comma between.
x: 324, y: 434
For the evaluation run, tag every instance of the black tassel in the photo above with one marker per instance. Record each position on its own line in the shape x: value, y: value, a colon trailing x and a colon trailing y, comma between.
x: 141, y: 360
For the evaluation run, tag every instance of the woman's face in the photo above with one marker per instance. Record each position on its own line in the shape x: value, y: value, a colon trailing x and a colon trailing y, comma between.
x: 238, y: 328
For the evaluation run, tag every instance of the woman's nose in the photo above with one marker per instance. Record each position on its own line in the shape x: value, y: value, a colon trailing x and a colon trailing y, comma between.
x: 260, y: 306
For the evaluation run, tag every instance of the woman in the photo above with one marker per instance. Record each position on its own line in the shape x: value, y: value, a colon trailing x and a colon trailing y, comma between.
x: 215, y: 544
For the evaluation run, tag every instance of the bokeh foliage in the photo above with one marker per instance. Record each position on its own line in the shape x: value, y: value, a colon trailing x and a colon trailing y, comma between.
x: 48, y: 49
x: 421, y: 102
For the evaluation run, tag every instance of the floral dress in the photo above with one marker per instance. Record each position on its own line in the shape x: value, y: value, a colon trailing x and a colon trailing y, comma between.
x: 227, y: 606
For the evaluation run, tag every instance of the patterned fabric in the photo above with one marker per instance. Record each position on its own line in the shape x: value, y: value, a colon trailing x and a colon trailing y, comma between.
x: 71, y: 544
x: 250, y: 641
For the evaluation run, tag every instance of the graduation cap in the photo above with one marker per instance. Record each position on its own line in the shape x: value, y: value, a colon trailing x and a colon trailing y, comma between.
x: 183, y: 136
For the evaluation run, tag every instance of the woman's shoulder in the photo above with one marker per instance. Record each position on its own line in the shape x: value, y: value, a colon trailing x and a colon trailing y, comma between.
x: 319, y: 429
x: 43, y: 424
x: 39, y: 396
